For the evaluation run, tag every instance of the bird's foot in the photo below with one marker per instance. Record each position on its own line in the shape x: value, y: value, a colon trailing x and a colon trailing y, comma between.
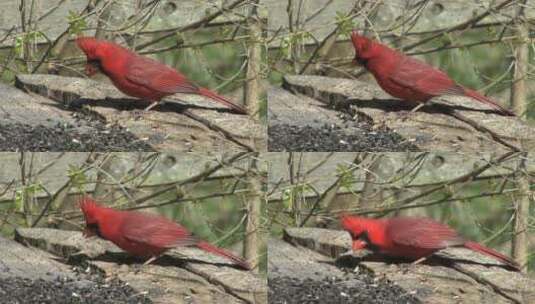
x: 137, y: 114
x: 404, y: 116
x: 137, y: 268
x: 405, y: 268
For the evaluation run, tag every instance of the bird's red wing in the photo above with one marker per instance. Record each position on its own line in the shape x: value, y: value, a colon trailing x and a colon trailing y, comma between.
x: 158, y: 77
x: 422, y: 233
x: 418, y: 75
x: 155, y: 231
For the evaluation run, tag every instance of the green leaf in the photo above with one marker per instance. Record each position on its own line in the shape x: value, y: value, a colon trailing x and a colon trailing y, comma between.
x: 347, y: 179
x: 77, y: 176
x: 76, y: 23
x: 345, y: 23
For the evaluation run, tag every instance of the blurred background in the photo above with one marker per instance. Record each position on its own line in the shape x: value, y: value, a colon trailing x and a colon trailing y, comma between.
x: 217, y: 197
x: 486, y: 198
x: 217, y: 44
x: 482, y: 44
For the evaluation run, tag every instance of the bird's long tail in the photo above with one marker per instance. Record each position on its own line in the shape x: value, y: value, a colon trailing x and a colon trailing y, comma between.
x: 487, y: 251
x: 221, y: 99
x: 224, y: 253
x: 486, y: 100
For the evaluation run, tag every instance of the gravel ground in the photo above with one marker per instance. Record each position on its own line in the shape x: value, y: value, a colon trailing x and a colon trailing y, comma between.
x: 350, y: 132
x: 284, y: 137
x: 87, y: 288
x: 97, y: 136
x: 353, y: 288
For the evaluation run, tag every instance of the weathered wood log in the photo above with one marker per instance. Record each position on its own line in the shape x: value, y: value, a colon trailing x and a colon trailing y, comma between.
x: 297, y: 274
x: 19, y: 107
x: 30, y: 275
x: 448, y: 123
x: 466, y: 276
x: 17, y: 260
x: 193, y: 123
x: 184, y: 272
x: 35, y: 123
x: 291, y: 261
x: 301, y: 123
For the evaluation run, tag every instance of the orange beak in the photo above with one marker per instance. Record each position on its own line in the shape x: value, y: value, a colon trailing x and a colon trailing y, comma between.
x: 359, y: 244
x: 91, y: 69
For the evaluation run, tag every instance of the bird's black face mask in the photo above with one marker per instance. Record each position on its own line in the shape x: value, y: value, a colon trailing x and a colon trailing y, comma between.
x: 92, y: 67
x: 359, y: 60
x: 91, y: 230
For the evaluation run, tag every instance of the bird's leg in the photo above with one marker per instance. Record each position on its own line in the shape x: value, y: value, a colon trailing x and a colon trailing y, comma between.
x: 138, y: 114
x: 152, y: 259
x: 405, y: 115
x: 418, y: 107
x: 152, y: 105
x: 420, y: 260
x: 405, y: 268
x: 137, y: 267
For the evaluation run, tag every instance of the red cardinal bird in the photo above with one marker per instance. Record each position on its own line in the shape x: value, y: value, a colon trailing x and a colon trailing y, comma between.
x: 143, y: 235
x: 140, y: 76
x: 408, y: 78
x: 410, y: 237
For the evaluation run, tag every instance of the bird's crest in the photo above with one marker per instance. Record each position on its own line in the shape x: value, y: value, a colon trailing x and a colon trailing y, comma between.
x: 363, y: 46
x: 353, y: 224
x: 88, y: 45
x: 360, y: 42
x: 88, y: 206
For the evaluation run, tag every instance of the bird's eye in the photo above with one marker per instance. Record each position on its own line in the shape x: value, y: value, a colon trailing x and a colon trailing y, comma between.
x: 94, y: 227
x: 95, y: 62
x: 364, y: 236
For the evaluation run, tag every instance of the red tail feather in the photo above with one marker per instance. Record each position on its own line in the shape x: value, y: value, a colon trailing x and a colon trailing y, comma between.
x: 221, y: 99
x: 487, y: 251
x: 488, y: 101
x: 224, y: 253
